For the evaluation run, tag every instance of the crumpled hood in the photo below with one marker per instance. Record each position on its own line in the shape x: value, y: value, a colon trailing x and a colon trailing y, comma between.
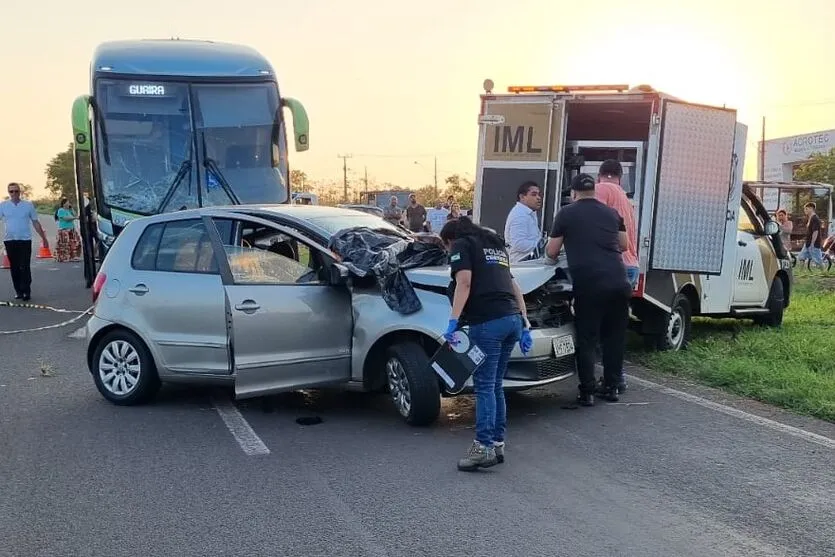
x: 530, y: 274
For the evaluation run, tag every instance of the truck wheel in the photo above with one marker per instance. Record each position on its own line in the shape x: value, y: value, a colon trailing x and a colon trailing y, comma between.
x: 676, y: 327
x: 412, y: 384
x: 776, y: 305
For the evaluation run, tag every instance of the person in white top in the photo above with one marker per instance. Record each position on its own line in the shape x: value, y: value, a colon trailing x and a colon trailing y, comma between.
x: 19, y: 217
x: 437, y: 217
x: 521, y: 230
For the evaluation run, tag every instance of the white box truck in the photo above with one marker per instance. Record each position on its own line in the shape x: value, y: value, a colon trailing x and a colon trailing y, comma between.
x: 706, y: 244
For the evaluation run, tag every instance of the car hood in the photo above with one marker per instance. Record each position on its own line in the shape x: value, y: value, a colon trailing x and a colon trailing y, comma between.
x: 530, y: 275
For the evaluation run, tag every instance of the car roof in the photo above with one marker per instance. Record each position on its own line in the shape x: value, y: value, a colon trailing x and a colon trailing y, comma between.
x: 288, y: 211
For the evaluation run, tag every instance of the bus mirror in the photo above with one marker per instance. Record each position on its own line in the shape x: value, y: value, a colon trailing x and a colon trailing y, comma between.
x: 772, y: 228
x: 301, y: 125
x: 81, y: 123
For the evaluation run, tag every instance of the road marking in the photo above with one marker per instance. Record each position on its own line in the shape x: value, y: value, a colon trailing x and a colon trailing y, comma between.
x: 730, y: 411
x: 240, y: 428
x: 78, y: 333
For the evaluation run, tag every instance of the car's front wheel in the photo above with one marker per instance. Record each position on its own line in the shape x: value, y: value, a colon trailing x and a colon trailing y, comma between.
x: 123, y: 369
x: 412, y: 385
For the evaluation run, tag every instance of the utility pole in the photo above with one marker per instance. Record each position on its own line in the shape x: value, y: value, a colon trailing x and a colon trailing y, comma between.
x: 366, y: 185
x: 762, y: 153
x: 436, y: 177
x: 344, y: 176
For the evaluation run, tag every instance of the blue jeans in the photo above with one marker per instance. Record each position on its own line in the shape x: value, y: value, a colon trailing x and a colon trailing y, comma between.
x: 496, y: 339
x: 811, y: 252
x: 632, y: 274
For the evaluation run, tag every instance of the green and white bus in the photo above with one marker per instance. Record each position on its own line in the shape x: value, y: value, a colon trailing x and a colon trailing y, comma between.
x: 177, y: 124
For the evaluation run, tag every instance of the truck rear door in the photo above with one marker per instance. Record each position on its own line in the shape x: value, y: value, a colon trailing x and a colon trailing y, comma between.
x: 697, y: 168
x: 521, y: 138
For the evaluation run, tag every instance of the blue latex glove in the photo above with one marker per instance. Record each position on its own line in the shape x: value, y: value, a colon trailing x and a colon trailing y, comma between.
x: 525, y: 341
x: 451, y: 328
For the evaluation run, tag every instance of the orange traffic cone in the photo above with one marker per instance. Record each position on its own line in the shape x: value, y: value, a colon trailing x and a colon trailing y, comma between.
x: 6, y: 263
x: 44, y: 253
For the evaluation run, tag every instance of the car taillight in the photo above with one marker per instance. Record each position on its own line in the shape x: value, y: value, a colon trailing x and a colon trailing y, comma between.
x: 98, y: 284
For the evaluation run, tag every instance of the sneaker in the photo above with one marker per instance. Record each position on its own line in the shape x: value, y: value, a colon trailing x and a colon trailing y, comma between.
x: 585, y: 399
x: 622, y: 386
x: 607, y: 393
x: 498, y: 446
x: 478, y: 456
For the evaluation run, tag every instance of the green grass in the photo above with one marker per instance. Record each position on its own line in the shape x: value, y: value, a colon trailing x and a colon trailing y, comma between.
x: 791, y: 367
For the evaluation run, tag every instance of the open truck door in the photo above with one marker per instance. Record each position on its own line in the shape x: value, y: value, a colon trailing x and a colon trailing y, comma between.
x: 520, y: 139
x: 697, y: 169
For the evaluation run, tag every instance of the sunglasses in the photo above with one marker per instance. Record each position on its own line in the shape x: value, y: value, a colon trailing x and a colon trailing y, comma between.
x: 14, y: 191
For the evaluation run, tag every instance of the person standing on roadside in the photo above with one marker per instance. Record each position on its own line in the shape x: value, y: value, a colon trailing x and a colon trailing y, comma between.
x: 437, y: 217
x: 812, y: 246
x: 415, y: 214
x: 393, y: 213
x: 19, y: 217
x: 786, y: 228
x: 594, y: 236
x: 68, y: 245
x: 485, y: 296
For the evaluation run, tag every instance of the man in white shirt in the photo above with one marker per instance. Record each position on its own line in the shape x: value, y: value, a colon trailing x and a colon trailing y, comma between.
x: 19, y: 216
x: 437, y: 217
x: 521, y: 230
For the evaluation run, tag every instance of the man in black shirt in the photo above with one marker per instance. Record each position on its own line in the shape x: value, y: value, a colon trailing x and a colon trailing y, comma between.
x: 594, y: 236
x: 812, y: 246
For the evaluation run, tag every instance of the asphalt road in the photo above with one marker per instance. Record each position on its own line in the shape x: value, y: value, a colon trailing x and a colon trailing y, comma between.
x: 672, y: 470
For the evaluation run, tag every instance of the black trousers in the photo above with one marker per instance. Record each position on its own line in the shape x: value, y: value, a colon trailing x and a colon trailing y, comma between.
x: 20, y: 265
x: 600, y: 317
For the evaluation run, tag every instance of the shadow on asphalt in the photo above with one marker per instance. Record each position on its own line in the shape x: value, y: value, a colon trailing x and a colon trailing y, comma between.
x: 334, y: 404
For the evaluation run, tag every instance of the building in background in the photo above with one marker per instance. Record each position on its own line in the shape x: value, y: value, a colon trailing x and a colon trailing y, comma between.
x: 783, y: 155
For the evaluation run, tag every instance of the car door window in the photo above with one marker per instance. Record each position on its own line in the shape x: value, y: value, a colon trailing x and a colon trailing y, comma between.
x: 748, y: 222
x: 260, y: 254
x: 178, y: 246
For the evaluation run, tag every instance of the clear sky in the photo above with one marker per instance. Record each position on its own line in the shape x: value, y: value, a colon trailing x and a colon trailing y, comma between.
x: 400, y: 81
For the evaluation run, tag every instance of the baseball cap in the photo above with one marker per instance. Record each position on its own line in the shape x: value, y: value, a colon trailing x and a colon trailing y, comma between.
x: 582, y: 182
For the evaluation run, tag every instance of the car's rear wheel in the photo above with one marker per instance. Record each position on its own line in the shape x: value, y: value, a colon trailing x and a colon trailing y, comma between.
x: 412, y: 385
x: 123, y: 369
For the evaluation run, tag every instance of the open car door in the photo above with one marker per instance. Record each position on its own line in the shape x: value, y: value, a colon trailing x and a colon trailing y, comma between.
x: 696, y: 171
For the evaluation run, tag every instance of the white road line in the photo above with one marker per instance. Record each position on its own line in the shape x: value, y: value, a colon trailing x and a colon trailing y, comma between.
x: 240, y: 428
x: 78, y: 333
x: 730, y: 411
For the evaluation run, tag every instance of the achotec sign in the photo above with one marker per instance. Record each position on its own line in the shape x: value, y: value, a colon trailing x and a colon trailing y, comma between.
x: 805, y: 144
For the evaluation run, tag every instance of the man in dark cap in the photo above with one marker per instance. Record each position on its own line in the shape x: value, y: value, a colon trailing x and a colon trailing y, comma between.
x: 594, y: 237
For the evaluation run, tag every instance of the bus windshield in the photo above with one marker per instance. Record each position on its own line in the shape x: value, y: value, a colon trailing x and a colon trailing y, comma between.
x: 156, y: 140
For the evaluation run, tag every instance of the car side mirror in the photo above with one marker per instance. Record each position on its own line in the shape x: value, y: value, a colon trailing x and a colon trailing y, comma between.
x: 339, y: 274
x: 772, y: 228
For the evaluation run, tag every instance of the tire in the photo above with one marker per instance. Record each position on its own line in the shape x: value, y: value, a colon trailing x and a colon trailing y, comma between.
x: 137, y: 363
x: 776, y: 305
x: 412, y: 384
x: 676, y: 327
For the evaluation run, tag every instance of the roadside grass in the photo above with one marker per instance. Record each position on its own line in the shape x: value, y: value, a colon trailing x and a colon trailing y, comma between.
x: 791, y: 367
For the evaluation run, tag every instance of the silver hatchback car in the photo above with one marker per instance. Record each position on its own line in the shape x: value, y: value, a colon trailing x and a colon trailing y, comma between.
x: 251, y: 297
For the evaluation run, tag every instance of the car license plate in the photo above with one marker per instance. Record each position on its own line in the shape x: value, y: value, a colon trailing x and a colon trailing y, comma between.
x: 563, y: 346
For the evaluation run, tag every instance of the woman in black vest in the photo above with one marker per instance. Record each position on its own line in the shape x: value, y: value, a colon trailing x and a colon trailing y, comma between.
x: 487, y: 299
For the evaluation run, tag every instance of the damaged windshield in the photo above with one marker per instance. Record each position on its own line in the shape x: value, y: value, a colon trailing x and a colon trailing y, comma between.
x: 242, y: 138
x: 161, y: 137
x: 149, y: 140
